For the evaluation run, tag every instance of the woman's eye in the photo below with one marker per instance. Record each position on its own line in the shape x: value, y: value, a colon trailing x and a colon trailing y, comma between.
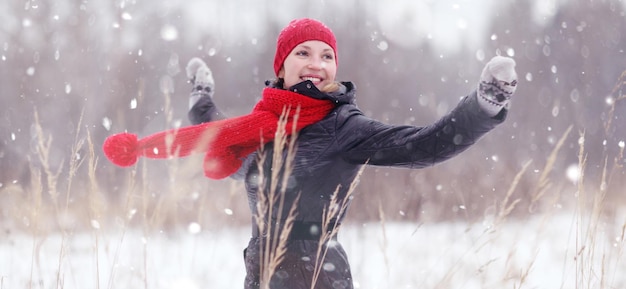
x: 328, y: 56
x: 302, y: 53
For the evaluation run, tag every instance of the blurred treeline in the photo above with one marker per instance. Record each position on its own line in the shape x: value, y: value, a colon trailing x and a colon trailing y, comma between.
x: 100, y: 67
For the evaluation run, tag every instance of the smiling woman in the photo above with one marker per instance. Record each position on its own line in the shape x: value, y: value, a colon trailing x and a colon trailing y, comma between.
x: 310, y: 60
x: 306, y: 50
x: 301, y: 150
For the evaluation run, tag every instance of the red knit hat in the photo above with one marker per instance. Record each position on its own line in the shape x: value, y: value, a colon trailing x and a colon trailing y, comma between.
x: 298, y: 31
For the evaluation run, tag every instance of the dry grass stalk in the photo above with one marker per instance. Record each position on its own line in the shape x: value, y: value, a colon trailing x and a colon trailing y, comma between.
x: 145, y: 223
x: 507, y: 205
x: 544, y: 183
x: 620, y: 243
x: 588, y: 229
x: 74, y: 163
x: 75, y: 160
x: 96, y: 200
x: 273, y: 241
x: 384, y: 243
x: 617, y: 165
x: 43, y: 152
x: 330, y: 224
x: 580, y: 243
x: 35, y: 213
x: 524, y: 274
x: 617, y: 89
x: 585, y: 243
x: 96, y: 206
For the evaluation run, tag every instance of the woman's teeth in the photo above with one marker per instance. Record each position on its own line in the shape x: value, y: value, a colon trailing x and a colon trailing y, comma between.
x: 313, y: 79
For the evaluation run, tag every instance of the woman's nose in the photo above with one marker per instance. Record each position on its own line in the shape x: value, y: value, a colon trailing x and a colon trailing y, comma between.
x: 316, y: 63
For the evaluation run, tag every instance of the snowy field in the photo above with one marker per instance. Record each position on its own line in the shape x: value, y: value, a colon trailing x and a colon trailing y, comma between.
x: 564, y: 251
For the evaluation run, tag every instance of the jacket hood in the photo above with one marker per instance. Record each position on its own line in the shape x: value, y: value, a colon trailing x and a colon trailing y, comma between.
x: 344, y: 95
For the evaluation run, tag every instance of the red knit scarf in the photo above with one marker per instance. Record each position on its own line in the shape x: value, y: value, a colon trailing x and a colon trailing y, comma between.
x: 226, y: 142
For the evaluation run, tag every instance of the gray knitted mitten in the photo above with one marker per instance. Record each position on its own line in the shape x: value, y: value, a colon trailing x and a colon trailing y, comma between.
x: 498, y: 82
x: 201, y: 79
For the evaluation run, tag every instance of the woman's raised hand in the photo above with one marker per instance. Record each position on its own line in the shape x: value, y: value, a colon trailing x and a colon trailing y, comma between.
x: 498, y: 82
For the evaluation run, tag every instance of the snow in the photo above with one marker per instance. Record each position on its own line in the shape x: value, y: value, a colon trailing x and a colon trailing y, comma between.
x: 544, y: 251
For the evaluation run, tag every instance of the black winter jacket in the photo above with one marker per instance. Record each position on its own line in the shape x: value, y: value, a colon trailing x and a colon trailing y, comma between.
x: 331, y: 151
x: 329, y: 155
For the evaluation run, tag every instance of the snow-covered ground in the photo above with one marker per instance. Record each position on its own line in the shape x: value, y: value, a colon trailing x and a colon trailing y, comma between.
x: 539, y: 252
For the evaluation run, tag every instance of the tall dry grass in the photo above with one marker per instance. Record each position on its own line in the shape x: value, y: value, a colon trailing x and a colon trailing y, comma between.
x: 273, y: 244
x: 70, y: 206
x: 270, y: 206
x: 337, y: 207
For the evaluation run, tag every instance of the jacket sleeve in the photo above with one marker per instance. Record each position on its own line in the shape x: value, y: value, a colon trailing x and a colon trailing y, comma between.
x: 363, y: 140
x: 204, y: 110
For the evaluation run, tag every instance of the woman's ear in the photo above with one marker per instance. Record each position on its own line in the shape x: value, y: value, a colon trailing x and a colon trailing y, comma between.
x: 281, y: 72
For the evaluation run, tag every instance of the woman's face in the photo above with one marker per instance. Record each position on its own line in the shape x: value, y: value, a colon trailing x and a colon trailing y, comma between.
x: 311, y: 60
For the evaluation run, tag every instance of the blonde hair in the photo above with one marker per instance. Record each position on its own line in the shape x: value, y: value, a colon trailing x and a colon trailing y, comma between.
x: 331, y: 87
